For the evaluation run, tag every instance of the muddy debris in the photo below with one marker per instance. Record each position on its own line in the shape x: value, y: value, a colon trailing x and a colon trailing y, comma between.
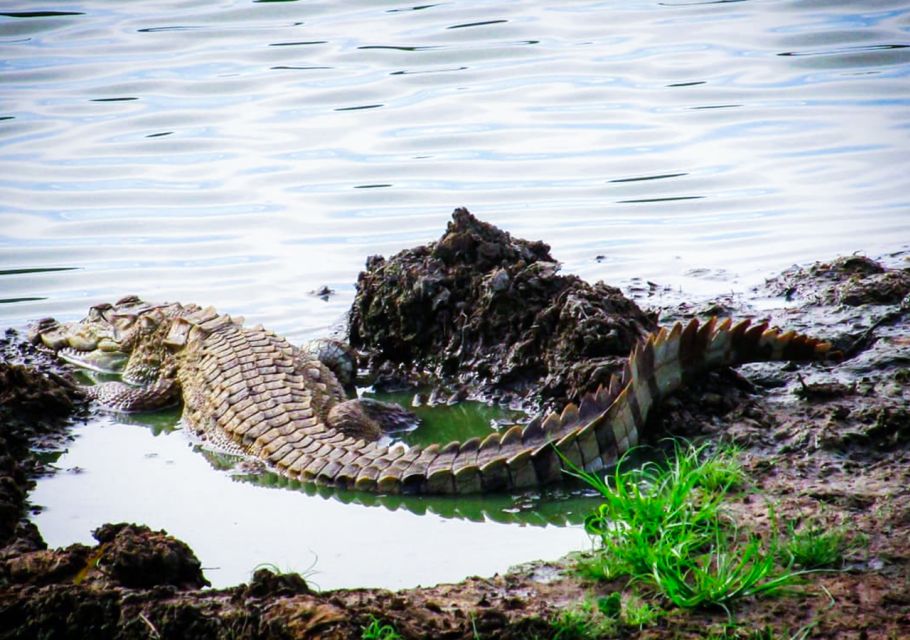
x: 37, y: 400
x: 852, y: 280
x: 26, y: 392
x: 482, y: 310
x: 135, y: 556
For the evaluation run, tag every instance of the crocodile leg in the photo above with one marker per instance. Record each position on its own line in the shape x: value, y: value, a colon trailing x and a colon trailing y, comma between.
x: 369, y: 419
x: 337, y: 356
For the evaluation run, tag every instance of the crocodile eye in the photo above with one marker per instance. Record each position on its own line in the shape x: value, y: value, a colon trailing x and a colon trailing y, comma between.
x: 148, y: 322
x: 99, y: 311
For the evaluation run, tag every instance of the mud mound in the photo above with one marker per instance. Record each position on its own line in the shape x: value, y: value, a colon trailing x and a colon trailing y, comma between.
x: 27, y: 392
x: 852, y: 281
x: 127, y: 556
x: 135, y: 556
x: 481, y: 308
x: 34, y: 385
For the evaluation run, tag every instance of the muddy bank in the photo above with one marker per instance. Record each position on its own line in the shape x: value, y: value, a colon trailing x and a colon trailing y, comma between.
x: 37, y: 401
x: 828, y: 445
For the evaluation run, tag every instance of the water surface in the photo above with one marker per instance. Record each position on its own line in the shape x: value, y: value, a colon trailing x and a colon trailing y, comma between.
x: 143, y: 471
x: 246, y: 154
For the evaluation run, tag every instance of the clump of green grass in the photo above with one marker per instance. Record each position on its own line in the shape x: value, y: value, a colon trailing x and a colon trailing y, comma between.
x: 737, y: 632
x: 602, y: 617
x: 814, y: 547
x: 377, y: 630
x: 719, y: 472
x: 638, y: 613
x: 728, y: 568
x: 628, y: 609
x: 643, y: 504
x: 582, y: 622
x: 664, y: 526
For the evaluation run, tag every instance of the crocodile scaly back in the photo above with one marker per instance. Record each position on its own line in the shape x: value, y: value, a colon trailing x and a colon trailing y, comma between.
x: 250, y: 391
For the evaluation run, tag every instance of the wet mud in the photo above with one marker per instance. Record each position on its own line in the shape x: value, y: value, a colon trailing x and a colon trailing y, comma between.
x: 37, y: 400
x: 826, y: 444
x: 487, y: 315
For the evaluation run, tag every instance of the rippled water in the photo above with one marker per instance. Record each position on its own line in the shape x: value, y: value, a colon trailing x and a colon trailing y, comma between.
x: 244, y: 154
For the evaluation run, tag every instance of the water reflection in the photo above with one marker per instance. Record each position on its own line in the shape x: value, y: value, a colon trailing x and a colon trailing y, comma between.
x: 141, y: 469
x: 554, y: 506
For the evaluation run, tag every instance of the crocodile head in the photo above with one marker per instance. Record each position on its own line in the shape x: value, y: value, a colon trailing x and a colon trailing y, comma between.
x: 130, y: 332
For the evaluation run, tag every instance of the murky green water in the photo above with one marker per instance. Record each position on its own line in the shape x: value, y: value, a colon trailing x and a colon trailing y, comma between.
x: 142, y: 468
x: 448, y: 422
x: 246, y: 154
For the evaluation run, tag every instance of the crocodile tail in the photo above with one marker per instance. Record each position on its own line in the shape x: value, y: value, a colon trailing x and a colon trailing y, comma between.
x: 597, y: 431
x: 658, y: 366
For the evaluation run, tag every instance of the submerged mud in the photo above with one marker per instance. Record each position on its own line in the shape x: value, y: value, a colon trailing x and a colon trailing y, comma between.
x: 827, y: 444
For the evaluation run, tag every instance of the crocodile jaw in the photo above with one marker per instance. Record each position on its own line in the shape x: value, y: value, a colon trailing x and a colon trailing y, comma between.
x: 100, y: 360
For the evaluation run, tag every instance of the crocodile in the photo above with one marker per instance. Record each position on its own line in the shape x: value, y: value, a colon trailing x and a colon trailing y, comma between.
x: 249, y: 390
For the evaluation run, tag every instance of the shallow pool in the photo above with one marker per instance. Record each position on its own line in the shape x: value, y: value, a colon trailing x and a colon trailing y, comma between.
x: 144, y: 470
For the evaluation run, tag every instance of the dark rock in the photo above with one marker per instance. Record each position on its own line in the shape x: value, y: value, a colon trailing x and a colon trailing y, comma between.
x: 25, y: 391
x: 43, y: 566
x: 37, y: 399
x: 323, y: 293
x: 824, y: 390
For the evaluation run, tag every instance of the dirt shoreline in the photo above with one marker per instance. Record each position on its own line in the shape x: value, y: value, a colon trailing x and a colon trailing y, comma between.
x: 827, y: 444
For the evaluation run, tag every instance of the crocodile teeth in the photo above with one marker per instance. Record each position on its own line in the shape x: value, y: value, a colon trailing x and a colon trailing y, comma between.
x: 100, y: 361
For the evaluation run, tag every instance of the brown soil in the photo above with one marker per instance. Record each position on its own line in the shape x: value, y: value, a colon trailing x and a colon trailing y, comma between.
x: 824, y: 444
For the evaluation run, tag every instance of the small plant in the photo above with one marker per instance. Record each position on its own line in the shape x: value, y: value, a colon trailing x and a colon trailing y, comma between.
x: 610, y: 606
x: 270, y: 566
x: 377, y: 630
x: 814, y: 547
x: 734, y: 632
x: 721, y: 472
x: 650, y: 511
x: 583, y: 622
x: 475, y: 634
x: 638, y: 613
x: 728, y: 569
x: 306, y: 574
x: 598, y: 566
